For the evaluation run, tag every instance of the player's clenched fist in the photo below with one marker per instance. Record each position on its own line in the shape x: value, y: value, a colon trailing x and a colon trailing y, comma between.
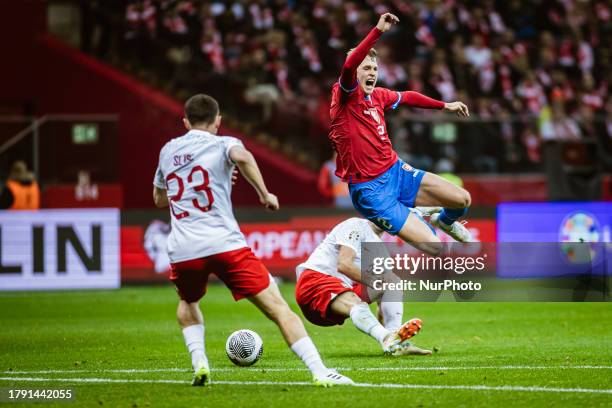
x: 270, y: 201
x: 234, y: 176
x: 386, y: 21
x: 458, y: 107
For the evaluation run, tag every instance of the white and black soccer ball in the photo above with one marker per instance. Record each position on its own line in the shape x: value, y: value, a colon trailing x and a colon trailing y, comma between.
x: 244, y: 347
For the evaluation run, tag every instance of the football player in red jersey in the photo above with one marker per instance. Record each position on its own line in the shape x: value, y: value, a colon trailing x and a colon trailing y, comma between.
x: 383, y: 188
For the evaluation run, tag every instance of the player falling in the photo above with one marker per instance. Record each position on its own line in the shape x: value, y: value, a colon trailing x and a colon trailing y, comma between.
x: 194, y: 178
x: 329, y: 289
x: 383, y: 188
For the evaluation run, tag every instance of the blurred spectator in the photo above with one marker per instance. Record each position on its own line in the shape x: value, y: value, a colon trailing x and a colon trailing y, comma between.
x: 556, y: 125
x: 532, y: 94
x: 532, y: 143
x: 21, y: 190
x: 477, y: 53
x: 390, y: 73
x: 141, y: 25
x: 604, y: 139
x: 331, y: 186
x: 84, y: 189
x: 441, y: 78
x: 266, y: 95
x: 591, y: 97
x: 445, y: 169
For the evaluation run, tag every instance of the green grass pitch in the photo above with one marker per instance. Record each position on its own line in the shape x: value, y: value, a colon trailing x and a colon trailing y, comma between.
x: 124, y: 349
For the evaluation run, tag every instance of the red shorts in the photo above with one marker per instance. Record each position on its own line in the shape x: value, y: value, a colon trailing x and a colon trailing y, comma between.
x: 314, y: 293
x: 241, y: 271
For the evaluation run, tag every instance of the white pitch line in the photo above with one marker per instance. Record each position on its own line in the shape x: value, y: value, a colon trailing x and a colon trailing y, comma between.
x: 289, y: 369
x: 92, y: 380
x: 304, y: 383
x: 126, y: 371
x: 509, y: 367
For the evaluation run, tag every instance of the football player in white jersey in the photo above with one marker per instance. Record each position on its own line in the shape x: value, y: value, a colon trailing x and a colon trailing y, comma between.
x: 329, y: 289
x: 194, y: 178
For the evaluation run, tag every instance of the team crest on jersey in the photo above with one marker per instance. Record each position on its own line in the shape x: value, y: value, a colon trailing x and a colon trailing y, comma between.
x: 407, y: 167
x: 374, y: 113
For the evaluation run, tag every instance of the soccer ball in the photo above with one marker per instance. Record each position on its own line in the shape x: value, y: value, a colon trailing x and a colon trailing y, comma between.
x: 244, y: 347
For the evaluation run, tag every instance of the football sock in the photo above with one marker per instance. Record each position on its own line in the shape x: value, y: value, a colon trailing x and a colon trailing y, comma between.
x: 194, y: 339
x: 364, y: 320
x: 450, y: 215
x: 392, y: 312
x: 305, y: 349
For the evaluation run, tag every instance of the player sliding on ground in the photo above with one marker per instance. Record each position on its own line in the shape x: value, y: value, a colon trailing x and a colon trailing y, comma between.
x: 194, y: 178
x: 383, y: 188
x: 329, y: 291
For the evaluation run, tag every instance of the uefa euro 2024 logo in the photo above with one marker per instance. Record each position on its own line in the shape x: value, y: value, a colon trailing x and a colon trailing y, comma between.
x: 577, y: 228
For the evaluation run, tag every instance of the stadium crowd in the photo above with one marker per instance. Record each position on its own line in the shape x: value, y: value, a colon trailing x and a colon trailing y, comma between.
x: 530, y: 71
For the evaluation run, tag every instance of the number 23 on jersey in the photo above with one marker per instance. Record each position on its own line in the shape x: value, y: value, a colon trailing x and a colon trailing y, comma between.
x: 199, y: 184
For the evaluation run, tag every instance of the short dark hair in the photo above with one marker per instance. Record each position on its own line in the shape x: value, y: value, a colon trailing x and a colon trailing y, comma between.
x: 372, y: 53
x: 201, y: 109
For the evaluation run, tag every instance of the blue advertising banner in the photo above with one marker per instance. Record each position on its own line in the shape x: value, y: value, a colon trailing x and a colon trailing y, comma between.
x: 581, y: 231
x: 554, y: 222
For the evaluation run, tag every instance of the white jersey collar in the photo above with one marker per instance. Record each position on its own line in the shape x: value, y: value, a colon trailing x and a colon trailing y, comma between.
x: 198, y: 132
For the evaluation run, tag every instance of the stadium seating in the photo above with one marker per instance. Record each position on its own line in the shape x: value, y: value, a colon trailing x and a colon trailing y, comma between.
x: 272, y: 64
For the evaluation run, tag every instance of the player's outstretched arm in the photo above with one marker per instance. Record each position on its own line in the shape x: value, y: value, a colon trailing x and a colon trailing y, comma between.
x: 348, y: 75
x: 418, y: 100
x: 160, y: 198
x: 249, y: 169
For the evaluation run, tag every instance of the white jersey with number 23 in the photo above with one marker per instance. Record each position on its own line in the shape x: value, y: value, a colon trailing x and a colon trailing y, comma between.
x: 196, y: 171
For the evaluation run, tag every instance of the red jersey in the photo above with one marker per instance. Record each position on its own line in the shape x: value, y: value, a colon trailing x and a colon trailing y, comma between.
x: 359, y: 133
x: 358, y: 129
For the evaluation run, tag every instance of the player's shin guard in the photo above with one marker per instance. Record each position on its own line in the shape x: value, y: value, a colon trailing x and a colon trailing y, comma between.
x: 364, y: 320
x: 194, y: 339
x: 450, y: 215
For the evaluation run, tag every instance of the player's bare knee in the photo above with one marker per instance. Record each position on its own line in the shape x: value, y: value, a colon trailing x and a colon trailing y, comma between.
x: 461, y: 198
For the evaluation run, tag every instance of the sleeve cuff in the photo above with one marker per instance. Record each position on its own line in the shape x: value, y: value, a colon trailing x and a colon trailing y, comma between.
x: 399, y: 100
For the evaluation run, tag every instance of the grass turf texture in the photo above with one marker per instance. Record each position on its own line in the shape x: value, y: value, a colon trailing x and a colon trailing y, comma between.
x: 91, y: 333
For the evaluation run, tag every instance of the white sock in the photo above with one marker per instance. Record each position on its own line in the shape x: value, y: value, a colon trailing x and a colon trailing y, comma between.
x: 306, y: 350
x: 364, y: 320
x: 194, y: 339
x: 393, y: 313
